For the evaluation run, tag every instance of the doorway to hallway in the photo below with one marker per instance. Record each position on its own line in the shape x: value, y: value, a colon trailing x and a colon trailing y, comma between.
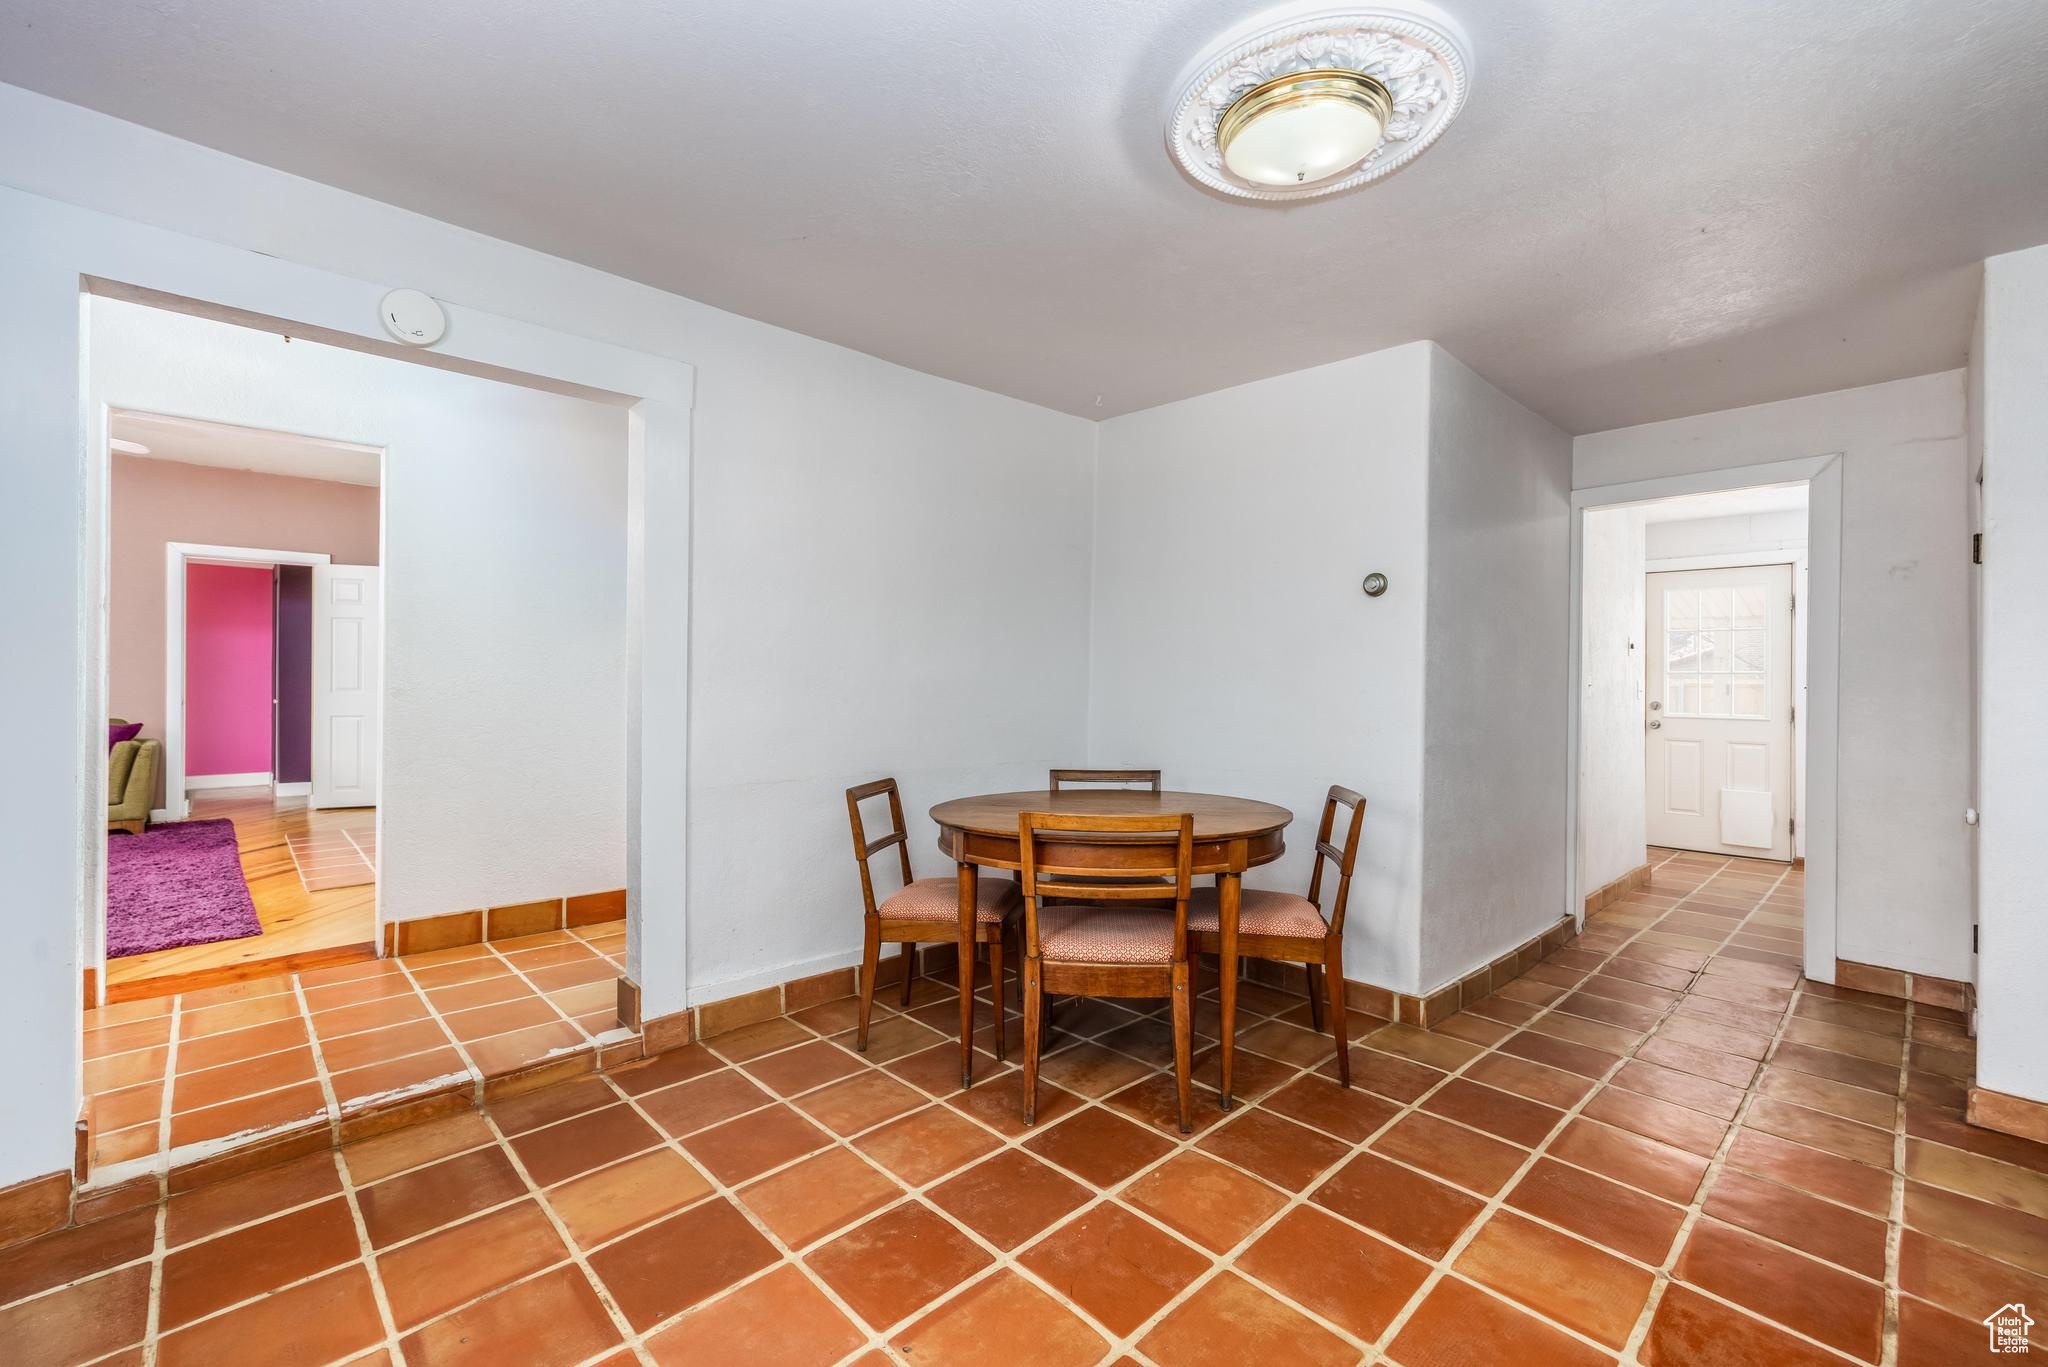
x: 1719, y: 758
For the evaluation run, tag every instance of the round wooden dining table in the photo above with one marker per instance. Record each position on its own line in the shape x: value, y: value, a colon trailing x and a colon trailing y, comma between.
x: 1232, y: 834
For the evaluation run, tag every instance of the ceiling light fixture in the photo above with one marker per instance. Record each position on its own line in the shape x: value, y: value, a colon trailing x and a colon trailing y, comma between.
x: 1312, y: 102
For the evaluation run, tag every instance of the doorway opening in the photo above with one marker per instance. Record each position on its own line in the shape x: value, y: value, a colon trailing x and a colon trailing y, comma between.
x: 244, y: 687
x: 1703, y: 702
x: 1724, y: 670
x: 427, y: 772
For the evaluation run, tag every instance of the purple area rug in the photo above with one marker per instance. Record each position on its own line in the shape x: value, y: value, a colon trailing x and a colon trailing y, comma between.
x: 179, y: 884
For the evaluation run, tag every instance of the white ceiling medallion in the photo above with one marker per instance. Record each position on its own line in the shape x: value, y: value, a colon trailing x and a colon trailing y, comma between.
x: 1307, y: 102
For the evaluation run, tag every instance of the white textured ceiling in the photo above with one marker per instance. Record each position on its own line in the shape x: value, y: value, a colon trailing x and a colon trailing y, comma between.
x: 1646, y: 210
x: 194, y: 441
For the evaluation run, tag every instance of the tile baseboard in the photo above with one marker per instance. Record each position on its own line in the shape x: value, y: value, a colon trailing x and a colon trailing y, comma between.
x: 1923, y: 988
x: 1605, y: 895
x: 2009, y: 1114
x: 453, y: 929
x: 34, y: 1206
x: 663, y: 1033
x: 1429, y: 1009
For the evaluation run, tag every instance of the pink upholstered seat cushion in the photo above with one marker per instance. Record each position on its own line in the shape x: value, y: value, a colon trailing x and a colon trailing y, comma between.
x: 938, y: 899
x: 1259, y: 913
x: 1105, y: 935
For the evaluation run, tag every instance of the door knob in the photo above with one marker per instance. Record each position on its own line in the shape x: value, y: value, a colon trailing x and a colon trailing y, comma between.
x: 1656, y: 726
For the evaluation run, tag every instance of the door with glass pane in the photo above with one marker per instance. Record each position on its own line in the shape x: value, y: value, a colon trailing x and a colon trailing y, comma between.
x: 1719, y: 764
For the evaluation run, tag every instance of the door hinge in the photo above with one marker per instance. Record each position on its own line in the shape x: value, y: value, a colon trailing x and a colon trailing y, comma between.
x: 1976, y: 548
x: 1791, y: 825
x: 1973, y: 939
x: 1794, y: 713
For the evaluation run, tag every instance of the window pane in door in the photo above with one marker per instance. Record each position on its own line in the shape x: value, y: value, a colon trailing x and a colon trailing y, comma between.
x: 1748, y: 650
x: 1746, y: 696
x: 1681, y: 652
x: 1710, y: 652
x: 1749, y: 607
x: 1713, y: 696
x: 1717, y: 607
x: 1681, y: 608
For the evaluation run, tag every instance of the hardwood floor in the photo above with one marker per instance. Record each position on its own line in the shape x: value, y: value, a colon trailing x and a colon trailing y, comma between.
x: 299, y: 926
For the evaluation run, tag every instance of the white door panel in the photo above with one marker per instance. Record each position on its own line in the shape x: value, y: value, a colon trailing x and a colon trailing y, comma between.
x: 348, y: 685
x: 1720, y: 753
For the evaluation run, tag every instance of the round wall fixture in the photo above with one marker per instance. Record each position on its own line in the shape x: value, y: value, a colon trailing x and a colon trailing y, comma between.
x: 1307, y: 102
x: 413, y: 317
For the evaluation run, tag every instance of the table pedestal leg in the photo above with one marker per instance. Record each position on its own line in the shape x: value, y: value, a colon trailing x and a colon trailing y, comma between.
x: 1228, y: 889
x: 968, y: 879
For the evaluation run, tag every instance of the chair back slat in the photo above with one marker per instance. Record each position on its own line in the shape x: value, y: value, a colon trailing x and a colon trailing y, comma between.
x: 1106, y: 857
x: 1067, y: 778
x: 1345, y: 858
x: 865, y: 849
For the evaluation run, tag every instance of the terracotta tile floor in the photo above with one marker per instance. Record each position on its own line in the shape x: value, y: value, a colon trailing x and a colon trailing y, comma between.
x: 1659, y: 1147
x: 275, y: 1054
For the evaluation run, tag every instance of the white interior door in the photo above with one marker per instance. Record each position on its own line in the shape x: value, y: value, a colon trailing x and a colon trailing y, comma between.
x: 1720, y: 755
x: 348, y: 684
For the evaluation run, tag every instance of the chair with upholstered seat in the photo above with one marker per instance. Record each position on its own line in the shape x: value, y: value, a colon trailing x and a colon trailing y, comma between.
x: 1122, y: 778
x: 1285, y: 928
x: 1099, y: 948
x: 923, y: 910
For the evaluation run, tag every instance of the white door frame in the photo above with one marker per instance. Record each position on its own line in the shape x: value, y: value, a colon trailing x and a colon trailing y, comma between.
x: 1822, y: 475
x: 178, y: 555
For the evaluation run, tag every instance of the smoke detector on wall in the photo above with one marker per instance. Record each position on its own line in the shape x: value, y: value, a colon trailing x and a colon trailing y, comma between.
x: 1307, y: 102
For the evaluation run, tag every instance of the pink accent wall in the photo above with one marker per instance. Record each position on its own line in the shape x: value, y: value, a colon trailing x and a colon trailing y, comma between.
x: 228, y: 662
x: 154, y: 502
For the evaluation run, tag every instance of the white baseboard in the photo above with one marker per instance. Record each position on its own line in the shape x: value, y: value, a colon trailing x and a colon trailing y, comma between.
x: 293, y: 790
x: 195, y: 783
x: 159, y: 815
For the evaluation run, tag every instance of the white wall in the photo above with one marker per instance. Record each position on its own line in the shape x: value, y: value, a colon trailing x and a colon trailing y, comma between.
x: 1232, y: 645
x: 504, y: 761
x: 1233, y: 648
x: 2011, y: 363
x: 1498, y: 632
x: 893, y: 499
x: 1904, y: 892
x: 1612, y: 816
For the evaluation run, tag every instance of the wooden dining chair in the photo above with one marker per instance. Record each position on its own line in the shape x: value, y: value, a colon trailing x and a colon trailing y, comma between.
x: 1288, y: 929
x: 1097, y: 948
x: 923, y: 910
x: 1067, y: 778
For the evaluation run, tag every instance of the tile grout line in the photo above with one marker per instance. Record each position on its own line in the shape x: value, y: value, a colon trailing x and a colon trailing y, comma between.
x: 776, y: 1098
x: 578, y: 1256
x: 476, y: 1074
x: 348, y: 1189
x: 1442, y: 1267
x: 1747, y: 920
x: 1895, y: 1231
x: 1695, y: 1209
x: 164, y: 1155
x: 512, y: 1156
x: 720, y: 1190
